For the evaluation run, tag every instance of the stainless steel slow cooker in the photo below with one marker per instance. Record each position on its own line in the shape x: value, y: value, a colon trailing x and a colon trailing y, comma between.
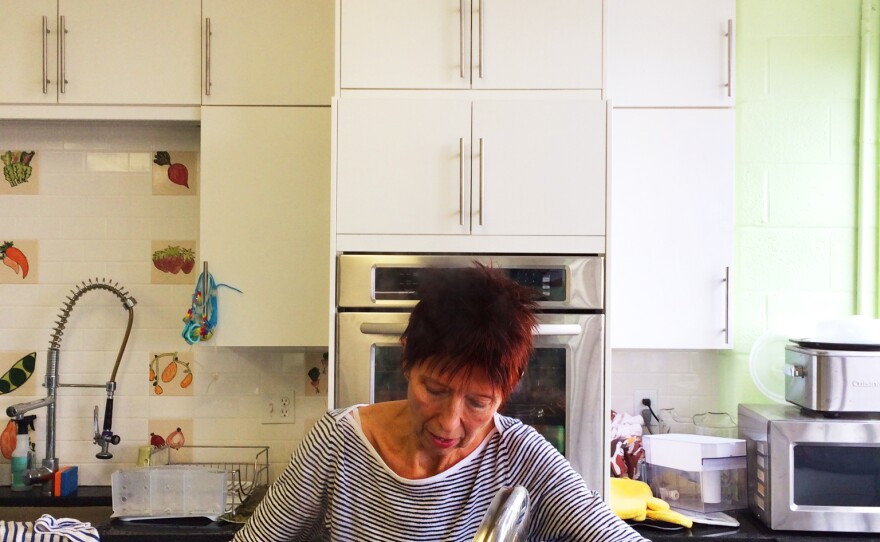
x: 833, y: 377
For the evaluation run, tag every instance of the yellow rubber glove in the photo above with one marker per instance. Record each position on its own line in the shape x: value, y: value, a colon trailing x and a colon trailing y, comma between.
x: 632, y: 499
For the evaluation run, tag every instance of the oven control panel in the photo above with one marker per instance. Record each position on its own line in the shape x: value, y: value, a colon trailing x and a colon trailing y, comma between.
x: 402, y: 283
x: 564, y: 282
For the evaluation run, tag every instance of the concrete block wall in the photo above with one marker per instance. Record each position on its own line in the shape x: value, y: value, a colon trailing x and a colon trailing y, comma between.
x: 95, y: 216
x: 797, y: 136
x: 797, y: 119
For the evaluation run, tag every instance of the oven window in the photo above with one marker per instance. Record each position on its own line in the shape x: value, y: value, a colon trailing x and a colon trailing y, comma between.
x: 538, y: 400
x: 388, y: 381
x: 828, y: 475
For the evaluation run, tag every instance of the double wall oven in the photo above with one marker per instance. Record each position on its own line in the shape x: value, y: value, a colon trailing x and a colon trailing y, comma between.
x: 563, y: 389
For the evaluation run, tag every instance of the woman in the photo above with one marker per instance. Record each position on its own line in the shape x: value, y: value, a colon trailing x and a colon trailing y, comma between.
x: 427, y: 468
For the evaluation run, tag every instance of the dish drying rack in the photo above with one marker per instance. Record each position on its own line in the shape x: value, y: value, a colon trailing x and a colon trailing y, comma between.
x: 248, y: 466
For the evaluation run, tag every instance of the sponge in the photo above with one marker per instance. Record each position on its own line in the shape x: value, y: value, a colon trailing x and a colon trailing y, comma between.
x: 66, y: 481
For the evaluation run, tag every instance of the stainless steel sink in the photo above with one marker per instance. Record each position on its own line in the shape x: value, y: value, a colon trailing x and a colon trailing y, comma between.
x: 96, y: 515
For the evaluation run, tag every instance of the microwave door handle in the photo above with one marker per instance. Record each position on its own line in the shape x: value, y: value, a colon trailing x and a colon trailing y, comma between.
x: 382, y: 328
x: 544, y: 330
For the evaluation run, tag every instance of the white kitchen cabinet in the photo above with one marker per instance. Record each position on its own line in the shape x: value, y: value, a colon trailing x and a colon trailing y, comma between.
x: 671, y: 52
x: 526, y: 167
x: 671, y: 236
x: 24, y: 44
x: 100, y: 52
x: 265, y: 222
x: 271, y: 52
x: 460, y: 44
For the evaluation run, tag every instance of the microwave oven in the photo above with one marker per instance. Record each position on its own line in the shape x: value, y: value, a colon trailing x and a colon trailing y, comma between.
x: 808, y: 471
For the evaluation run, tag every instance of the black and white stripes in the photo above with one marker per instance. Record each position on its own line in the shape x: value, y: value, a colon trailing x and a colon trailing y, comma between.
x: 336, y: 487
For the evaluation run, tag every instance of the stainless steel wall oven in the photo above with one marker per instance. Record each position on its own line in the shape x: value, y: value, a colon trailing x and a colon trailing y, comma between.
x: 562, y: 391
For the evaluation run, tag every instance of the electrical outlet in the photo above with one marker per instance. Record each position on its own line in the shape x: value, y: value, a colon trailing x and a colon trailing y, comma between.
x: 277, y: 392
x: 638, y: 395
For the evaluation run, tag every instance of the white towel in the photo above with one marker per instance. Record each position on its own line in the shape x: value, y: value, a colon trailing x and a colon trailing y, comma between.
x: 74, y: 530
x: 48, y: 529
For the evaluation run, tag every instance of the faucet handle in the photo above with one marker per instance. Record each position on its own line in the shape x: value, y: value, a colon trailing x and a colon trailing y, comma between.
x: 104, y: 438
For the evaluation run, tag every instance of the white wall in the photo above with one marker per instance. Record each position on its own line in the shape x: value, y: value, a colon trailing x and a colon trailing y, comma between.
x: 96, y: 216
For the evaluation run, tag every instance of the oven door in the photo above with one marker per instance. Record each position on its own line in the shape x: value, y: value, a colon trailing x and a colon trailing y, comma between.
x: 560, y: 394
x: 826, y: 475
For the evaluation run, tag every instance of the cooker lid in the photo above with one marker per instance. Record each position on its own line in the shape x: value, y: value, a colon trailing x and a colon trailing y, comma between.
x: 824, y: 345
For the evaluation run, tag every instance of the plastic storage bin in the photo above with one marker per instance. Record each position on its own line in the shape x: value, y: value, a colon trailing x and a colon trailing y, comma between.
x: 170, y: 491
x: 697, y: 472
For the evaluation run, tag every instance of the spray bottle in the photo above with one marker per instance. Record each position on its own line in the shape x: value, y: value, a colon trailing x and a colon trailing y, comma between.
x: 22, y: 453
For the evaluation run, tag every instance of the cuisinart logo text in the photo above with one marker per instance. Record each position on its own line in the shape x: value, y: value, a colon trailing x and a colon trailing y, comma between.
x: 865, y: 384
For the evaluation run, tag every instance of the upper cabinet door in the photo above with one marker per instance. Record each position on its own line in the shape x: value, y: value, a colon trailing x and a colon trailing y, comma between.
x: 402, y: 166
x: 671, y: 53
x: 523, y: 44
x: 265, y: 222
x: 129, y: 51
x: 460, y: 44
x: 270, y: 52
x: 538, y: 167
x: 27, y: 51
x: 405, y: 44
x: 672, y: 227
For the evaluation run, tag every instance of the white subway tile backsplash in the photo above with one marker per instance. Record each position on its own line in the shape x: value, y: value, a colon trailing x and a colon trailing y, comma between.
x: 83, y: 228
x: 96, y: 217
x: 19, y: 206
x: 106, y: 161
x: 67, y: 162
x: 140, y: 161
x: 684, y: 380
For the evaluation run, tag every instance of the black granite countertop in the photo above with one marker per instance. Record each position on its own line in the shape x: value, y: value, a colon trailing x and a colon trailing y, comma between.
x: 204, y: 530
x: 750, y: 528
x: 116, y: 530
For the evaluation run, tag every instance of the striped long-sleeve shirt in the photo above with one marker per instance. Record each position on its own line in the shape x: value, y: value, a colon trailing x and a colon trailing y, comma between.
x: 337, y: 487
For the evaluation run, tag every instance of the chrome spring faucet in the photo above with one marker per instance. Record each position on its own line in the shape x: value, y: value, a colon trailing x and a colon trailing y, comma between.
x: 105, y: 438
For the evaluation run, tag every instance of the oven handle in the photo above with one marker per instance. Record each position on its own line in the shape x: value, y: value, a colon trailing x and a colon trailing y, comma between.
x: 541, y: 330
x: 382, y: 328
x: 544, y: 330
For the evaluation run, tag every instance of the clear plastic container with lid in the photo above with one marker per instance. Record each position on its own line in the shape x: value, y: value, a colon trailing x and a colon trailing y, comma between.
x: 169, y: 491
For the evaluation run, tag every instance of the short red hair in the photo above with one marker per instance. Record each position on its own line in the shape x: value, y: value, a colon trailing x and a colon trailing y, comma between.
x: 469, y: 318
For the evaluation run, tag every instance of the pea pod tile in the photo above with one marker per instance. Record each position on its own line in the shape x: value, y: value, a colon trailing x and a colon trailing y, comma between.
x: 18, y: 374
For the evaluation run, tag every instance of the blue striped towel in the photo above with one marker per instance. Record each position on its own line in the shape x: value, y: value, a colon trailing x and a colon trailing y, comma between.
x: 48, y: 529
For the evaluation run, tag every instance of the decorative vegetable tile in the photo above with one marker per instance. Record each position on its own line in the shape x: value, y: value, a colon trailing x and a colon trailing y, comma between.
x: 316, y: 373
x: 171, y: 373
x: 20, y: 173
x: 175, y: 173
x: 173, y: 262
x: 18, y: 259
x: 174, y: 434
x: 17, y: 369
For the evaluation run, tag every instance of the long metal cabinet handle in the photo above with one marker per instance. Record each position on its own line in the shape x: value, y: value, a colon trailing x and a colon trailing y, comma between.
x: 62, y: 53
x: 481, y: 39
x: 45, y: 55
x: 729, y: 36
x: 482, y: 174
x: 461, y: 38
x: 207, y: 56
x: 727, y: 305
x: 461, y: 181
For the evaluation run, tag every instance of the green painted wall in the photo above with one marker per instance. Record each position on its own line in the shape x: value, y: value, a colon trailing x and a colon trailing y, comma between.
x: 797, y: 126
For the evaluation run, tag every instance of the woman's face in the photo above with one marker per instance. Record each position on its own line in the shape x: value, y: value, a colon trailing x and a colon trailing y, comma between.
x: 451, y: 414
